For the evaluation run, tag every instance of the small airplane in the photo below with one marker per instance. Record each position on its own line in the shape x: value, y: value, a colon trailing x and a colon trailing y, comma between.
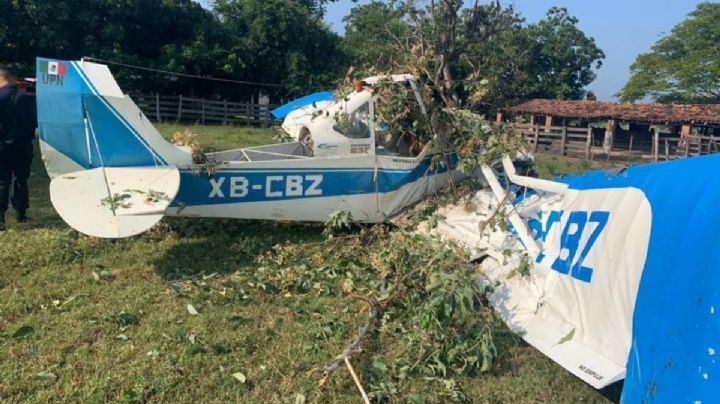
x: 114, y: 176
x: 613, y: 275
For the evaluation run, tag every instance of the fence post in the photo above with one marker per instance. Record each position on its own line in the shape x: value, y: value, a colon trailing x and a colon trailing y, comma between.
x: 563, y: 140
x: 157, y: 107
x: 537, y: 135
x: 179, y: 114
x: 667, y: 150
x: 225, y: 120
x: 588, y: 143
x: 656, y: 144
x: 202, y: 103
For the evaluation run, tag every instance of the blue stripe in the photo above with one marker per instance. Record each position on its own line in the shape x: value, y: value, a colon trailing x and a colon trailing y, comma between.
x: 283, y: 111
x: 196, y: 189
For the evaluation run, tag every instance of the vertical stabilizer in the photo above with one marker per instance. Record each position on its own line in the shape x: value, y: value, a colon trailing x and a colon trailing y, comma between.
x: 87, y: 122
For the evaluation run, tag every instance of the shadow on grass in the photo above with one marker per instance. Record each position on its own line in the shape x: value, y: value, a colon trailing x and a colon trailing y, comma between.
x: 613, y: 391
x: 207, y: 246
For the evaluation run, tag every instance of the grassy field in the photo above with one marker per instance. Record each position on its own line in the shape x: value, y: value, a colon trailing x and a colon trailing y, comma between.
x: 172, y: 315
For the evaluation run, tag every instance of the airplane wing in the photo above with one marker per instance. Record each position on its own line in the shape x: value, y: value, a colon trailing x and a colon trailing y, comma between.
x: 619, y: 278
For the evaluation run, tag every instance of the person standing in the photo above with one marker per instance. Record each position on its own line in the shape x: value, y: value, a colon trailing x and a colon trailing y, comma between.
x: 18, y: 120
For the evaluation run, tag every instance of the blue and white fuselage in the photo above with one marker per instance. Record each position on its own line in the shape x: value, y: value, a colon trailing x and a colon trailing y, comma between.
x: 89, y: 128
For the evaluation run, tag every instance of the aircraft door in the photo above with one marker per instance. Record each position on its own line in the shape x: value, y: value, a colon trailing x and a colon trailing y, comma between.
x: 357, y: 128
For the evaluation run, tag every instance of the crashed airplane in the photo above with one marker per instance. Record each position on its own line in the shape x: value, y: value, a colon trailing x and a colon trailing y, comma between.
x: 613, y: 275
x: 114, y: 176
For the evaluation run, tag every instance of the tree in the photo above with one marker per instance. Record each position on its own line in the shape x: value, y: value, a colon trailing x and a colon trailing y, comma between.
x: 283, y: 41
x: 373, y: 35
x: 495, y: 59
x: 550, y: 59
x: 484, y: 56
x: 684, y: 66
x: 562, y: 57
x: 272, y: 41
x: 176, y: 35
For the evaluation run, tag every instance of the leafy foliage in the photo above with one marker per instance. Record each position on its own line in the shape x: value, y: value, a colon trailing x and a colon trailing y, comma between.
x: 684, y: 66
x: 435, y: 321
x: 274, y: 41
x: 372, y: 34
x: 337, y: 221
x: 177, y: 35
x: 458, y: 137
x: 483, y: 57
x: 283, y: 41
x: 188, y: 139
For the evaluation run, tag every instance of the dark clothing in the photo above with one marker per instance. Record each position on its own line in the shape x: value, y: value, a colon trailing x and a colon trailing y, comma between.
x: 15, y: 163
x: 6, y: 93
x: 18, y: 120
x: 18, y: 117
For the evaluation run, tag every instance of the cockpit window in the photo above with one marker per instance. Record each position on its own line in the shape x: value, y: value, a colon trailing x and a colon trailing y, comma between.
x: 401, y: 123
x: 355, y: 125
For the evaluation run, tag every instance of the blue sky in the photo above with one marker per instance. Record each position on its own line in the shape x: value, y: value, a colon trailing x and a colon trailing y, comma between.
x: 621, y: 28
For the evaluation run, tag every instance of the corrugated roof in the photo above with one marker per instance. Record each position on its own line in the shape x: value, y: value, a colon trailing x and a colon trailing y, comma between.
x: 649, y: 113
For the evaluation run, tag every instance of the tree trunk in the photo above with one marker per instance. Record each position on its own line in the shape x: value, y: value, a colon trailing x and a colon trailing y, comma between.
x: 450, y: 97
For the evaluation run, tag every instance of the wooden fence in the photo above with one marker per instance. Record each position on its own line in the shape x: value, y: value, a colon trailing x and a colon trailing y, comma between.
x: 172, y: 108
x: 584, y: 143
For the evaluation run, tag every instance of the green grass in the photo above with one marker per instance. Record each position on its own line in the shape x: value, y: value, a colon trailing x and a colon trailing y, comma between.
x: 221, y: 137
x: 110, y: 319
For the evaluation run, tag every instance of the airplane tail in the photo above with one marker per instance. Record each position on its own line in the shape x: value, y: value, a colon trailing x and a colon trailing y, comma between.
x: 87, y: 122
x: 113, y: 175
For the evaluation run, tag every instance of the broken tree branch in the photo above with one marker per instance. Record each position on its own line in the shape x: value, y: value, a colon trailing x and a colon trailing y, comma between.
x: 375, y: 313
x: 357, y: 381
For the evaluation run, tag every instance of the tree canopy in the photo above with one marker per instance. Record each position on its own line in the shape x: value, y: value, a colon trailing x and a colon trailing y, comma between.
x: 283, y: 42
x: 372, y: 33
x: 484, y: 56
x: 176, y: 35
x: 683, y: 66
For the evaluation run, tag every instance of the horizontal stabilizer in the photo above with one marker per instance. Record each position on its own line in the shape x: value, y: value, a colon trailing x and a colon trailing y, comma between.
x: 114, y: 202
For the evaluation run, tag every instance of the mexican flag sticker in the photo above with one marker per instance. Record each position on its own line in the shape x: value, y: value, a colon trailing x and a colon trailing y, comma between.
x: 55, y: 68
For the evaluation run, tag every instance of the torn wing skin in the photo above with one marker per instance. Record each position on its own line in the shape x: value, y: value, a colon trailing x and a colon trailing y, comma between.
x: 625, y: 284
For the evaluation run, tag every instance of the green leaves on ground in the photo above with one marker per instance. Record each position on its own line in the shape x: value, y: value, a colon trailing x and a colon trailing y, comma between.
x: 435, y: 321
x: 338, y: 221
x: 23, y: 332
